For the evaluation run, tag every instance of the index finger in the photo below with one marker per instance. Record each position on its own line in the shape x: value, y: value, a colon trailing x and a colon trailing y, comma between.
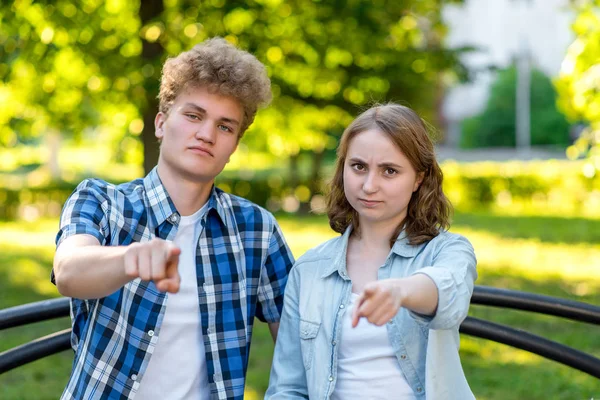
x: 355, y: 313
x: 172, y: 254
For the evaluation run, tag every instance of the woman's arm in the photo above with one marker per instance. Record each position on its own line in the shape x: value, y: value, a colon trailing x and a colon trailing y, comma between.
x: 438, y: 295
x: 288, y: 376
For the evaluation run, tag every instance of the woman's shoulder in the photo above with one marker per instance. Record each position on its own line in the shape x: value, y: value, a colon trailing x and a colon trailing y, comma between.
x: 449, y: 240
x: 450, y: 237
x: 323, y: 252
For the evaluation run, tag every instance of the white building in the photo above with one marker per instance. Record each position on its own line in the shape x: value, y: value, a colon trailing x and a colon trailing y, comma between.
x: 500, y: 29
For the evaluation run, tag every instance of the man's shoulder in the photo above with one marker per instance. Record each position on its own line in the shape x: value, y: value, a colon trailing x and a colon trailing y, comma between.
x: 98, y: 185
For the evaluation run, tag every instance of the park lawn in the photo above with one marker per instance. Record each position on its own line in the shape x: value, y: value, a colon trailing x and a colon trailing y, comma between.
x: 554, y: 256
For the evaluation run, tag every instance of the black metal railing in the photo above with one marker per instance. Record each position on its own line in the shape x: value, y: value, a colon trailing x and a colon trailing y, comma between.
x: 482, y: 295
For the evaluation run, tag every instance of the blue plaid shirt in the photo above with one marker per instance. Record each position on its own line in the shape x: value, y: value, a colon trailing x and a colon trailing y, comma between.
x: 242, y: 263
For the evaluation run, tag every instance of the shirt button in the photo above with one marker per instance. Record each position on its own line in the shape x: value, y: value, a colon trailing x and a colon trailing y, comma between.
x: 419, y: 389
x: 333, y: 343
x: 150, y: 333
x: 341, y: 306
x: 403, y: 356
x: 133, y: 377
x: 330, y: 378
x: 209, y: 331
x: 217, y: 377
x: 173, y: 218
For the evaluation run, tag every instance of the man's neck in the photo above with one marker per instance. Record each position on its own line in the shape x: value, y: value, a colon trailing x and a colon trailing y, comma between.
x: 187, y: 195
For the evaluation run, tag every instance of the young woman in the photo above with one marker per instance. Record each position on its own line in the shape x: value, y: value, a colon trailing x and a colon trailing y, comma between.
x: 361, y: 309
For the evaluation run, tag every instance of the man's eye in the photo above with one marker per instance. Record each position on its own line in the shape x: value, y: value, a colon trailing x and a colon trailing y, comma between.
x: 225, y: 128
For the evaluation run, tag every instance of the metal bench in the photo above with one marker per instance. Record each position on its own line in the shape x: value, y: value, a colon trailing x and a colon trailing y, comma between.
x: 482, y: 295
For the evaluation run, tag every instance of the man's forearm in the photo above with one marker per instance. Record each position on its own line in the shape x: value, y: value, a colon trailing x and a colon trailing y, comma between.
x: 274, y: 328
x: 90, y: 272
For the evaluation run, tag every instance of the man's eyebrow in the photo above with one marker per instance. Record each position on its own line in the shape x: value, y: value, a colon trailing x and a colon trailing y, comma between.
x: 201, y: 110
x: 230, y: 120
x: 195, y: 107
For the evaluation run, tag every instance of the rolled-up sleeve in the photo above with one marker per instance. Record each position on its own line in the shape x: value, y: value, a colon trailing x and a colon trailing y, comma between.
x: 83, y: 213
x: 274, y: 275
x: 454, y: 273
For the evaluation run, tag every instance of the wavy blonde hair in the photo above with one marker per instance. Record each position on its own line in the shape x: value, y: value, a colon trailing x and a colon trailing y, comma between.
x: 428, y: 209
x: 222, y: 68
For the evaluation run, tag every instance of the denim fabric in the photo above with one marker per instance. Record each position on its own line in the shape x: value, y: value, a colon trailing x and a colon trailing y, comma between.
x: 318, y: 290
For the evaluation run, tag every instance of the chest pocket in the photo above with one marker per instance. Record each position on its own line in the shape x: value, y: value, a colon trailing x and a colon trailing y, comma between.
x: 308, y: 334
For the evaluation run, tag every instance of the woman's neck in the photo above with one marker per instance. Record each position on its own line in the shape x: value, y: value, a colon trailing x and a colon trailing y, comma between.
x: 376, y: 235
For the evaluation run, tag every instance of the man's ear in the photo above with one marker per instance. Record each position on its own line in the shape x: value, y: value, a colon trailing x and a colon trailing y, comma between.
x: 159, y: 122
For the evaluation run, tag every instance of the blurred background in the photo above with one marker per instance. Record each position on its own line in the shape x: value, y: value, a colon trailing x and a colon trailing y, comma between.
x: 511, y: 89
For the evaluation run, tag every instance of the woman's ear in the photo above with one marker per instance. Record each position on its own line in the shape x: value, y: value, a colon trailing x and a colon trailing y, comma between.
x: 420, y: 177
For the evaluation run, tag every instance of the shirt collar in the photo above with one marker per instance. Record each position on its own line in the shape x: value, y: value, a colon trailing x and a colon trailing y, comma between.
x: 401, y: 247
x: 162, y: 208
x: 339, y: 251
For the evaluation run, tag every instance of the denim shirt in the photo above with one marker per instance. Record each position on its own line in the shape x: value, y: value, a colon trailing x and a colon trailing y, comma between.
x: 318, y: 290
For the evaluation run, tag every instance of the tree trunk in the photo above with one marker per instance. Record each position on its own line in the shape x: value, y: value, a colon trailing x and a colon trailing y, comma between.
x: 315, y: 175
x: 294, y: 174
x: 151, y: 54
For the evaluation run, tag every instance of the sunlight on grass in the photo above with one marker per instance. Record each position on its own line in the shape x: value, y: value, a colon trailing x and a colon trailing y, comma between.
x: 529, y: 258
x: 499, y: 352
x: 29, y: 234
x: 495, y: 371
x: 27, y: 272
x: 251, y: 394
x: 301, y: 238
x: 534, y: 259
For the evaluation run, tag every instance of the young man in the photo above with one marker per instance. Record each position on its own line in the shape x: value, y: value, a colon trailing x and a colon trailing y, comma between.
x: 167, y: 273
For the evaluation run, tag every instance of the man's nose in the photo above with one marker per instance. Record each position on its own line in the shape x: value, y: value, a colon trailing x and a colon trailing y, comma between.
x: 206, y: 132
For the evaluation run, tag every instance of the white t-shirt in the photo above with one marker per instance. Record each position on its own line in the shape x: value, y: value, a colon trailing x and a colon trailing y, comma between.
x: 177, y: 367
x: 367, y: 365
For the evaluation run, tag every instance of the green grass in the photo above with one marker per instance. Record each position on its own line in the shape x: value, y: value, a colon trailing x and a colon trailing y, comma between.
x: 553, y: 256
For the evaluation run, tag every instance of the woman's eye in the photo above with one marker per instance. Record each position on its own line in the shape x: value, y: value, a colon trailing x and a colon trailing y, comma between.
x: 390, y: 171
x: 358, y: 167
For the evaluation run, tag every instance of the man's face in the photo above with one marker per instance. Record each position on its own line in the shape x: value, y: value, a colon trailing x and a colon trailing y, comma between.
x: 199, y: 134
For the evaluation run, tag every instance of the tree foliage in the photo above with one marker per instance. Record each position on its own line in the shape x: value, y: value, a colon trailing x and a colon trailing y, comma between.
x: 579, y: 82
x: 90, y: 68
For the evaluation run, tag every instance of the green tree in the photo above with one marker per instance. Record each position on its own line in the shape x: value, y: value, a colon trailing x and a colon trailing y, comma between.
x: 93, y: 66
x: 496, y: 125
x: 578, y: 85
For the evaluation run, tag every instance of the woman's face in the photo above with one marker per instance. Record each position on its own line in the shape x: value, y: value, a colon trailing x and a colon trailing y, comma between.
x: 378, y: 179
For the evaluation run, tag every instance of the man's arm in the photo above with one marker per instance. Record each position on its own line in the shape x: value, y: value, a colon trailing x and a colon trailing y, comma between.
x: 273, y: 328
x: 86, y: 270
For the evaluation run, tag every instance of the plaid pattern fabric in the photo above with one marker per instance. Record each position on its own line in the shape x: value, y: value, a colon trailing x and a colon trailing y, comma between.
x: 242, y: 262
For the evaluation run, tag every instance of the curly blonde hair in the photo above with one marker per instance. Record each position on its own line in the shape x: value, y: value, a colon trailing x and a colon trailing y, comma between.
x: 222, y: 68
x: 428, y: 209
